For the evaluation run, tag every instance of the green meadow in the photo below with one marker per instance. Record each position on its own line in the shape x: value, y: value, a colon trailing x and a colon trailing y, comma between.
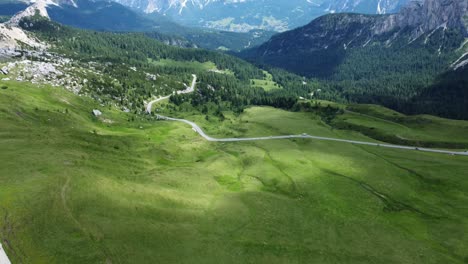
x: 185, y: 64
x: 419, y: 130
x: 123, y: 188
x: 266, y: 83
x: 194, y: 65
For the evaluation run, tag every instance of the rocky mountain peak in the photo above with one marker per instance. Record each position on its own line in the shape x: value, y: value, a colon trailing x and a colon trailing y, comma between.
x: 433, y: 14
x: 365, y: 6
x: 12, y: 35
x: 37, y: 7
x: 437, y: 20
x: 421, y: 17
x: 246, y: 15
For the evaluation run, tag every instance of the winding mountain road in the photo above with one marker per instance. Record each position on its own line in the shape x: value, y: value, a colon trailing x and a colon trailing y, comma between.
x: 191, y: 88
x: 200, y: 131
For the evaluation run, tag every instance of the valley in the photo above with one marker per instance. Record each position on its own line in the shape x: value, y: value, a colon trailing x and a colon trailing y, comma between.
x: 109, y: 16
x: 128, y: 138
x: 110, y: 189
x: 200, y: 131
x: 243, y: 16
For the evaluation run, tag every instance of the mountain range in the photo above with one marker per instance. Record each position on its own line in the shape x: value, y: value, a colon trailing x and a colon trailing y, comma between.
x: 245, y: 15
x: 384, y: 59
x: 112, y: 16
x: 429, y: 24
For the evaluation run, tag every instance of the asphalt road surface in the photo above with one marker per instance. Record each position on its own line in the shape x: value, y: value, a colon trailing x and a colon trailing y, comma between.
x: 3, y: 256
x: 197, y: 129
x: 200, y: 131
x: 190, y: 89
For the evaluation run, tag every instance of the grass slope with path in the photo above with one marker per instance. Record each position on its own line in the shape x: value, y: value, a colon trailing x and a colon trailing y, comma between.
x: 390, y: 126
x: 128, y: 189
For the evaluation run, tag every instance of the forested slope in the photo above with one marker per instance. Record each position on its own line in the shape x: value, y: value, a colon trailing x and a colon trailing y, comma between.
x: 124, y: 58
x: 389, y: 59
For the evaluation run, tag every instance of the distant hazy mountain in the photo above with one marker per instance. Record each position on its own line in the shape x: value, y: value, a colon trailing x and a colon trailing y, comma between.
x: 231, y: 15
x: 112, y: 16
x: 365, y: 6
x: 245, y: 15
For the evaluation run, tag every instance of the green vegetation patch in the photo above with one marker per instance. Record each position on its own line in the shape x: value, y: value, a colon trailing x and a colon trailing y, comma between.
x: 75, y: 188
x: 390, y: 126
x: 185, y: 64
x: 266, y: 82
x: 194, y: 65
x: 231, y: 183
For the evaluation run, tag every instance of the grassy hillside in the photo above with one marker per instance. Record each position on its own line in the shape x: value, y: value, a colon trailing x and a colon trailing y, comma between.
x: 390, y: 126
x: 266, y: 82
x: 124, y: 189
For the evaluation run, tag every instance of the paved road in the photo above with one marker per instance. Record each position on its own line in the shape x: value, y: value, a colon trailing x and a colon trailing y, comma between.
x: 197, y: 129
x: 200, y: 131
x: 189, y: 89
x: 3, y: 256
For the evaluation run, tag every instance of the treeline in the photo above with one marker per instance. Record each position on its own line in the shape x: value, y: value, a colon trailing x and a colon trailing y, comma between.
x: 395, y: 77
x: 388, y: 76
x: 448, y: 97
x: 394, y: 71
x: 126, y: 59
x: 228, y: 94
x: 376, y: 74
x: 130, y: 48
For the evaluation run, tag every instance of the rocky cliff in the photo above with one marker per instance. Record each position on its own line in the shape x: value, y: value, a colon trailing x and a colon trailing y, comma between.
x: 424, y: 23
x: 433, y: 14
